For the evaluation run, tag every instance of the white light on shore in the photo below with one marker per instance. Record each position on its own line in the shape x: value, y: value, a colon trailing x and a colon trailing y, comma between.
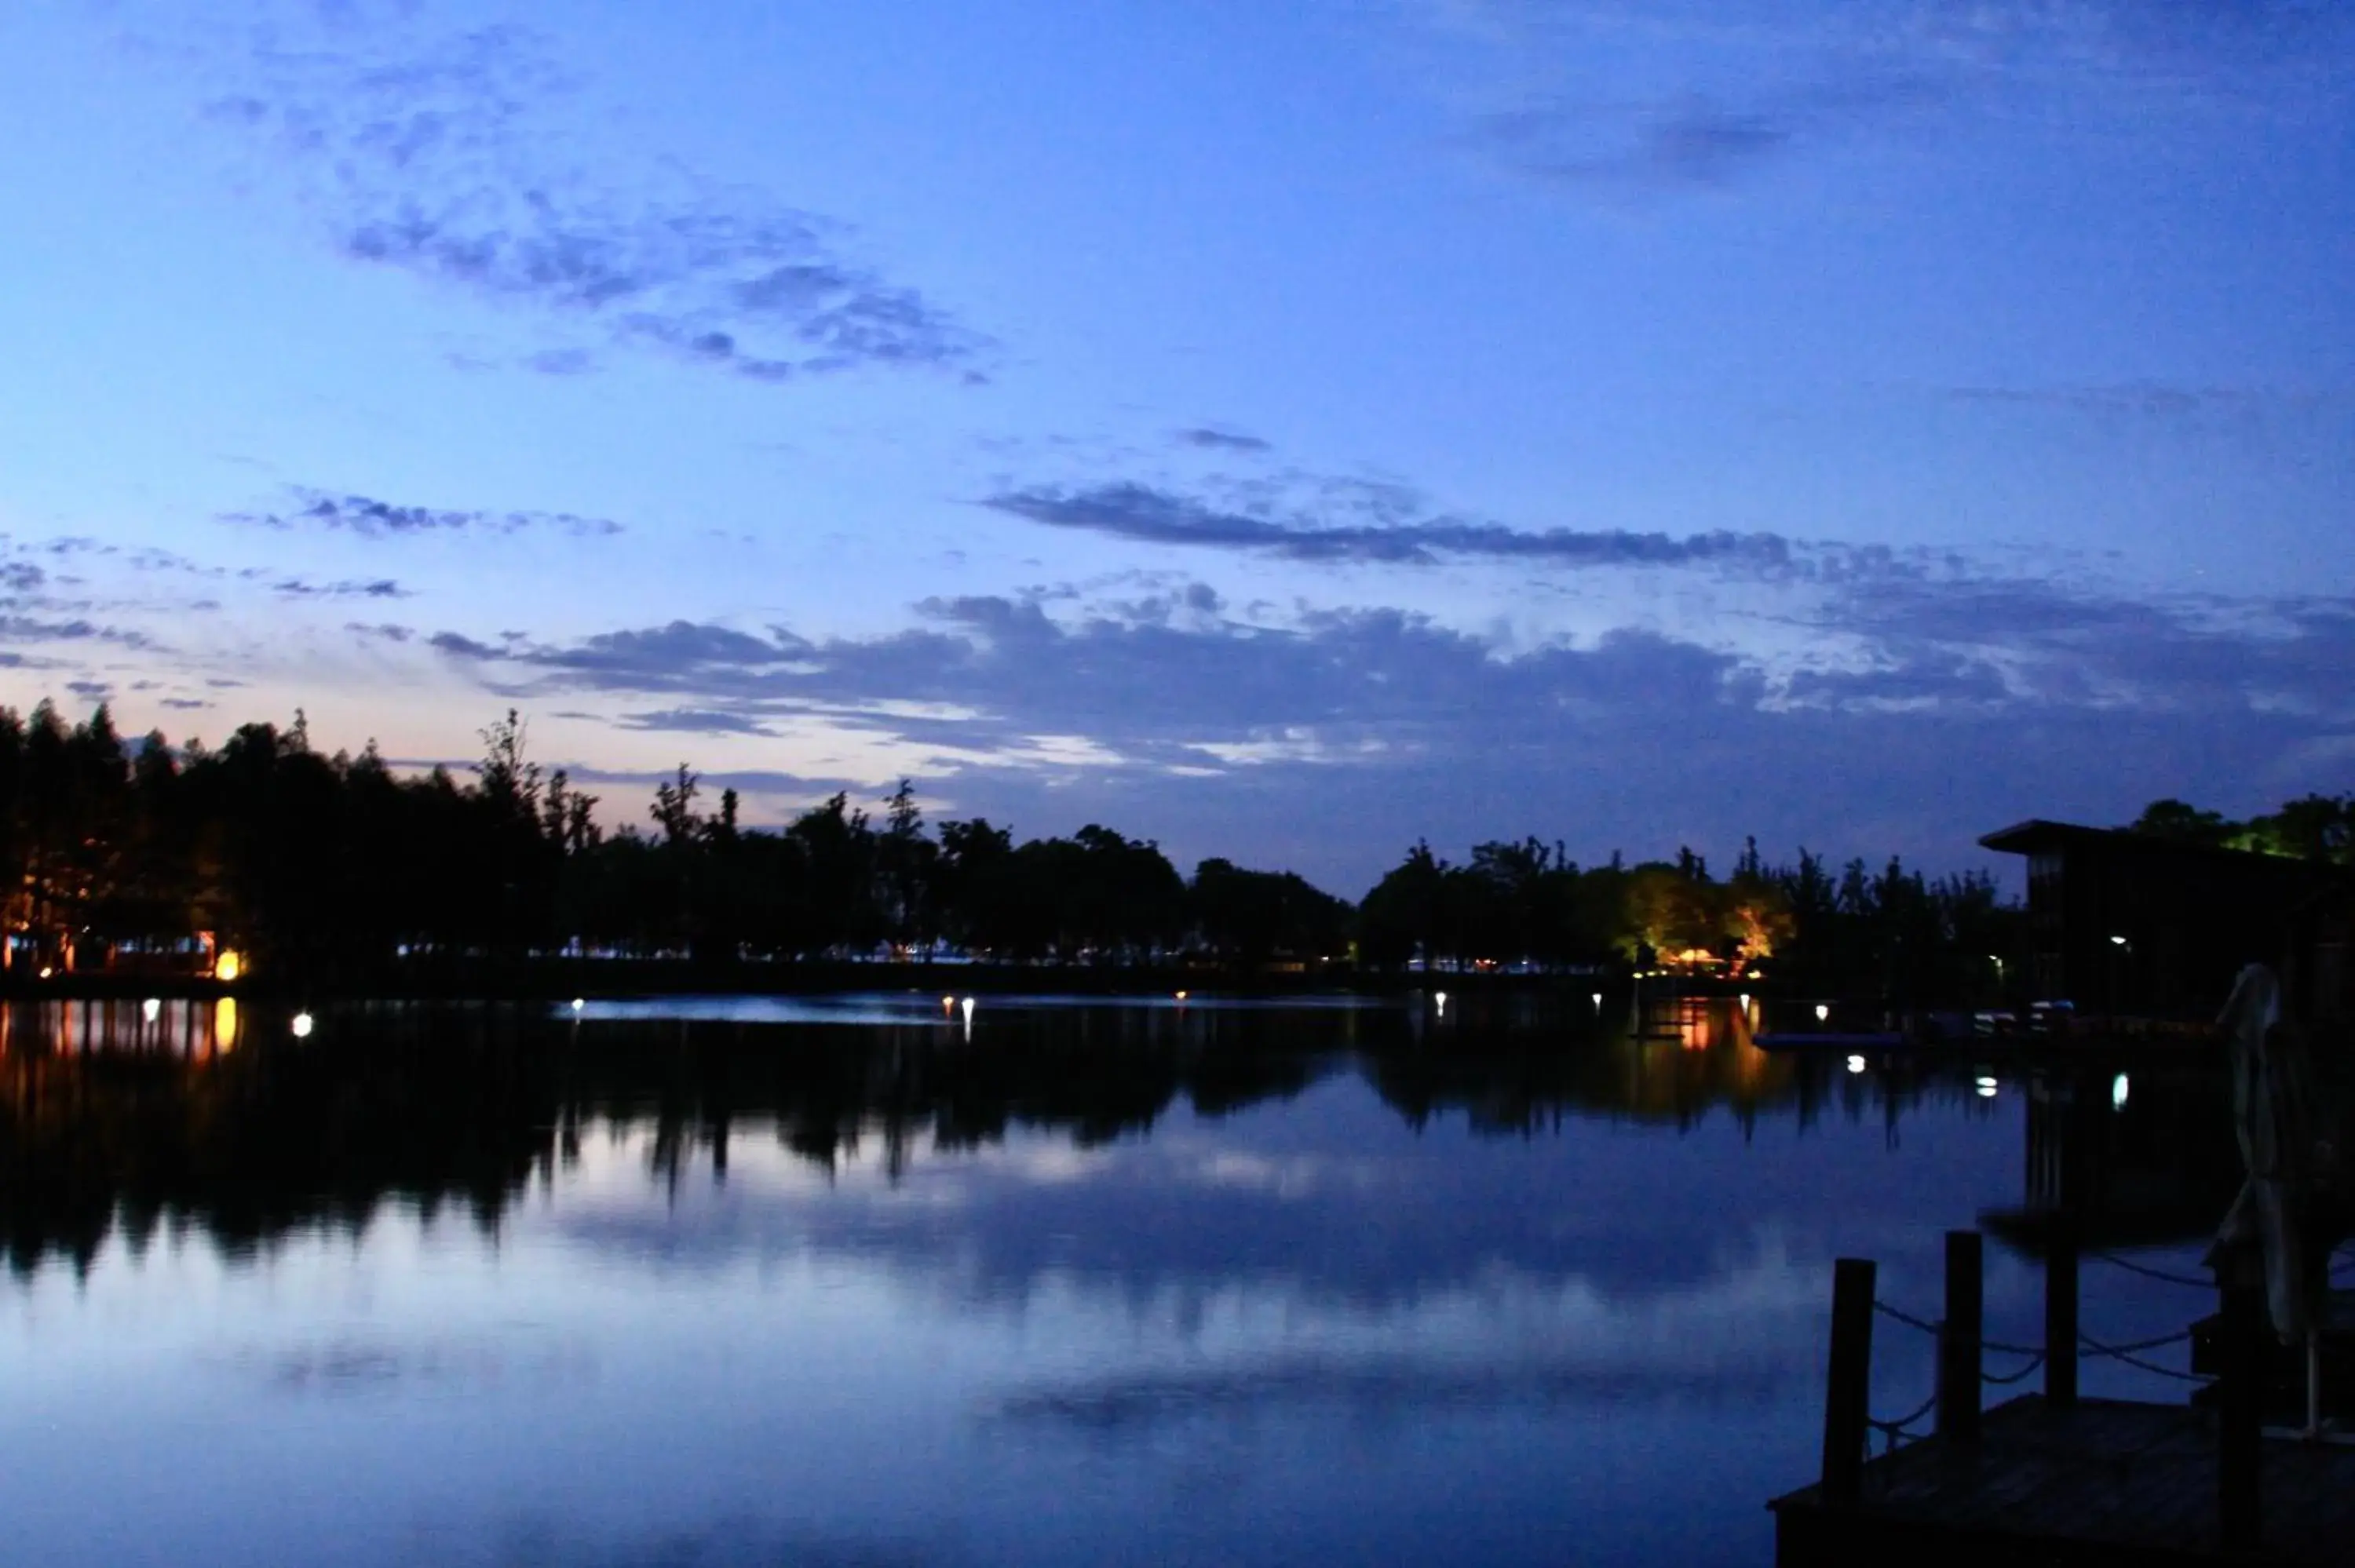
x: 1598, y: 1001
x: 302, y: 1026
x: 578, y: 1003
x: 967, y: 1004
x: 1856, y: 1064
x: 2118, y: 1092
x: 1823, y: 1012
x: 1986, y: 1088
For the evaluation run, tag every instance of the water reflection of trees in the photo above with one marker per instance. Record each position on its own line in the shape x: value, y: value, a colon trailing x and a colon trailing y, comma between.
x: 113, y: 1121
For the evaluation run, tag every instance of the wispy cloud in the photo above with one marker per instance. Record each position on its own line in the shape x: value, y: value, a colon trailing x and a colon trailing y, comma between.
x: 695, y: 721
x: 2152, y: 400
x: 371, y: 518
x: 1161, y: 516
x: 434, y: 155
x: 1211, y: 439
x: 1690, y: 94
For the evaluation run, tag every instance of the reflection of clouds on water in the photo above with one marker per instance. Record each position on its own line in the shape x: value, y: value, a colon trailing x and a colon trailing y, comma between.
x: 1328, y: 1199
x: 734, y: 1543
x: 1132, y: 1404
x: 355, y: 1364
x: 1503, y: 1342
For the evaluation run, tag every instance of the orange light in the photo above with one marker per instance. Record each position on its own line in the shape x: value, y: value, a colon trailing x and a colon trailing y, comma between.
x: 229, y: 965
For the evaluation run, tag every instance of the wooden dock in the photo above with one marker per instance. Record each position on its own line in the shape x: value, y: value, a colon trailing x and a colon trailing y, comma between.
x: 2094, y: 1482
x: 2053, y: 1479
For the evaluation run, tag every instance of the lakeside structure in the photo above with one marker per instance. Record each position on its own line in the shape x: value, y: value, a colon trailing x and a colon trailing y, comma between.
x: 2136, y: 928
x: 2132, y: 924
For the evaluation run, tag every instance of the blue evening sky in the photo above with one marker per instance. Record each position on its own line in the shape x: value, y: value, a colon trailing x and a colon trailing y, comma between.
x: 1280, y: 430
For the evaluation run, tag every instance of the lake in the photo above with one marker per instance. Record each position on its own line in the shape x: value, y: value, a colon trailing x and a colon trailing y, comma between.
x: 853, y: 1281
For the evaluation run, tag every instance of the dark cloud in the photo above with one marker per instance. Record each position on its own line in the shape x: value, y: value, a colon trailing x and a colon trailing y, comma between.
x: 459, y: 647
x: 346, y: 588
x: 385, y: 631
x: 185, y: 703
x: 1140, y: 512
x: 427, y: 156
x: 371, y: 518
x: 33, y: 628
x: 695, y: 721
x: 1216, y: 439
x: 1959, y: 704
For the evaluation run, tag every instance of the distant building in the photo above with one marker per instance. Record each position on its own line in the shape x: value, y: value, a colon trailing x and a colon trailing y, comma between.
x: 2129, y: 924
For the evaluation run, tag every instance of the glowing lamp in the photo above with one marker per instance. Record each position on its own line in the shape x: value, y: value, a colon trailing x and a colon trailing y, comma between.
x: 2118, y: 1092
x: 302, y: 1026
x: 1856, y: 1064
x: 229, y: 965
x: 1823, y: 1012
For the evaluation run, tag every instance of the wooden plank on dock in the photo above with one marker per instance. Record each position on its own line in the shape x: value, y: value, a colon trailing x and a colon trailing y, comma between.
x: 2098, y: 1484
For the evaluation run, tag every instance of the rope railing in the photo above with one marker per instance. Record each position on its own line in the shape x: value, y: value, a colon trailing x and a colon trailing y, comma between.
x: 2088, y: 1348
x: 2091, y: 1347
x: 1994, y: 1380
x: 2149, y: 1273
x: 1893, y: 1430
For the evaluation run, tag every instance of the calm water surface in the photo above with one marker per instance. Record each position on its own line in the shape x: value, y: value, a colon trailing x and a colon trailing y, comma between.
x: 839, y: 1283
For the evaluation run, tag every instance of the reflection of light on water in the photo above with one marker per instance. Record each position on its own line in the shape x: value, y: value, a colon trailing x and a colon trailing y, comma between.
x: 225, y: 1024
x: 1986, y: 1088
x: 152, y: 1009
x: 2118, y: 1092
x: 1856, y: 1064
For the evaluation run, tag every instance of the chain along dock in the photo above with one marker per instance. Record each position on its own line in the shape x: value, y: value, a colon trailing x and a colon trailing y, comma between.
x: 2051, y: 1479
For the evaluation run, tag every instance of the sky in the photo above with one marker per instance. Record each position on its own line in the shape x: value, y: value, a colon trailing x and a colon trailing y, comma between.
x: 1280, y: 431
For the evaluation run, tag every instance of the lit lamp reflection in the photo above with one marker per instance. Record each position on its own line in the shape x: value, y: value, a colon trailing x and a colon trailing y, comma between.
x: 225, y: 1024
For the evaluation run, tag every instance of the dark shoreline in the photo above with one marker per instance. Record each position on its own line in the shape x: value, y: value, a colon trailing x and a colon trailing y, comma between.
x: 562, y: 979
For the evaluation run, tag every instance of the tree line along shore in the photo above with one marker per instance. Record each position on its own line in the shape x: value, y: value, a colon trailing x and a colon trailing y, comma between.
x: 265, y: 857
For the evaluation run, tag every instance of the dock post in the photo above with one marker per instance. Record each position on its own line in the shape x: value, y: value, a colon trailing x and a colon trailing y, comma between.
x: 2239, y: 1410
x: 2060, y: 1314
x: 1958, y: 1339
x: 1848, y: 1388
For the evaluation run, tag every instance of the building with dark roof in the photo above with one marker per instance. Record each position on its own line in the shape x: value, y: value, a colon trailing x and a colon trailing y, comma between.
x: 2129, y: 924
